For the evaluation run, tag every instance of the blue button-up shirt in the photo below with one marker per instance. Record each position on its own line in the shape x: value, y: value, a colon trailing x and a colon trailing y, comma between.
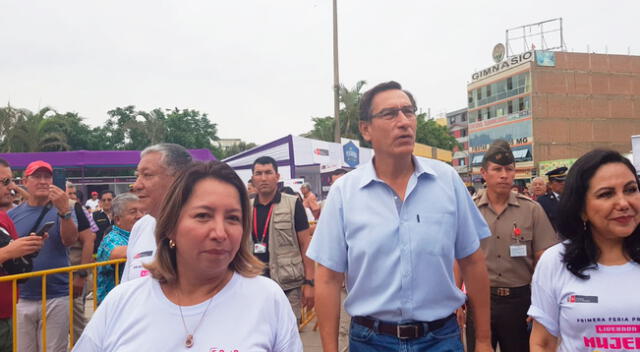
x: 398, y: 255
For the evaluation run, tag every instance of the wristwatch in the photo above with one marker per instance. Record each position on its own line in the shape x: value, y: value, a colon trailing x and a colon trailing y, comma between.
x: 309, y: 282
x: 65, y: 216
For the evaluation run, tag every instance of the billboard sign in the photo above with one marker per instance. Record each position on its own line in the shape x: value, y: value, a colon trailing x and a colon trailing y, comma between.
x: 546, y: 58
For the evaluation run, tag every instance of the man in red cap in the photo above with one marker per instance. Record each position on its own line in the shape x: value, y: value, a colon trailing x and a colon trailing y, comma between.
x: 92, y: 203
x: 18, y: 247
x: 47, y: 203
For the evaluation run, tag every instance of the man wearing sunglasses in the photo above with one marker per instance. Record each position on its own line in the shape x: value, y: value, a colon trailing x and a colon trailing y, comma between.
x: 395, y: 226
x: 18, y: 247
x: 6, y: 182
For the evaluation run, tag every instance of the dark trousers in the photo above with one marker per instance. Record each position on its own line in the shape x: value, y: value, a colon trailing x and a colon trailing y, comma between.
x: 508, y: 322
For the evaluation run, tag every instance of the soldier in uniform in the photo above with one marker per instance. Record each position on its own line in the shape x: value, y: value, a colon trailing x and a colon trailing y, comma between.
x: 520, y: 232
x: 549, y: 201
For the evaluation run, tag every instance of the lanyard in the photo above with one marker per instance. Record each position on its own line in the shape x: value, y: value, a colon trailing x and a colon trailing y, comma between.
x: 266, y: 225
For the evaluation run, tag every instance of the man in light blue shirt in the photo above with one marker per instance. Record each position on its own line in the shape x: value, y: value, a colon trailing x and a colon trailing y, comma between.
x: 395, y: 226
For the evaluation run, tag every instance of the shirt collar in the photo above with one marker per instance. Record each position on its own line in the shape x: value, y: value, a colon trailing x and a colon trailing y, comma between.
x: 369, y: 171
x: 120, y: 231
x: 484, y: 199
x: 276, y: 199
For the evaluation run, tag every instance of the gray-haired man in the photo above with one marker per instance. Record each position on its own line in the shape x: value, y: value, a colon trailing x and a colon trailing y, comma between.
x: 158, y: 167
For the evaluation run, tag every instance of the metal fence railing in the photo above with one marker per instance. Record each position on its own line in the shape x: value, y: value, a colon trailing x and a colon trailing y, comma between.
x: 43, y: 273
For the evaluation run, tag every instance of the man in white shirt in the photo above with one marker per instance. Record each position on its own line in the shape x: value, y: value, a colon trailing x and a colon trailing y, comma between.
x: 158, y: 167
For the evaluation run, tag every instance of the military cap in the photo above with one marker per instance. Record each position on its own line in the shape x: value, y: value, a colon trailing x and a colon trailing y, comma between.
x: 558, y: 174
x: 499, y: 153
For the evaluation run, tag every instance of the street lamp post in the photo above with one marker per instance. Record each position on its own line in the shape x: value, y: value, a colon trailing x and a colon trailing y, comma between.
x: 336, y: 78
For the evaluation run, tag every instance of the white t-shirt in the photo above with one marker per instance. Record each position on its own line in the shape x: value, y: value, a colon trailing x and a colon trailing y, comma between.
x: 248, y: 314
x: 91, y: 203
x: 141, y: 248
x: 599, y: 314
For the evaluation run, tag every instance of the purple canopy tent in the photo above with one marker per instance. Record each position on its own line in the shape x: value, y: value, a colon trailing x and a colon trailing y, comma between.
x: 89, y: 158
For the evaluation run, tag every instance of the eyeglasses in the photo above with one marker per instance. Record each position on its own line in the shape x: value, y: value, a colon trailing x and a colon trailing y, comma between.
x: 389, y: 114
x: 6, y: 182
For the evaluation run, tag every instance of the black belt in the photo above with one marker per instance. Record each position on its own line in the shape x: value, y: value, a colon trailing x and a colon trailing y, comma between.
x: 510, y: 291
x: 403, y: 331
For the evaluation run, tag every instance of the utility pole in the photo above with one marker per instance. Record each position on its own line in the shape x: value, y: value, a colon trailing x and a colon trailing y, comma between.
x: 336, y: 77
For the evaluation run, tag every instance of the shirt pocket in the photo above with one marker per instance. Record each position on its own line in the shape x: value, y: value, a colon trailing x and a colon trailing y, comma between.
x: 282, y: 224
x: 434, y: 234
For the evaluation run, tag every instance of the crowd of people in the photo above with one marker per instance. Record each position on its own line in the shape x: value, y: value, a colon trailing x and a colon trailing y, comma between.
x: 403, y: 256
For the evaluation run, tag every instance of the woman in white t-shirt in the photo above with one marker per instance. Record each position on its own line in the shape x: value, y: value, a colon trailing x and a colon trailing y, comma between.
x: 204, y: 292
x: 585, y: 291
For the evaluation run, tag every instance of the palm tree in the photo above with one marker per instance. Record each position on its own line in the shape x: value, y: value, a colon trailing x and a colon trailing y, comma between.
x: 32, y: 133
x: 349, y: 112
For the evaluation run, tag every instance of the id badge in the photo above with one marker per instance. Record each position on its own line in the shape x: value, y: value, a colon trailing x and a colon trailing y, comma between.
x: 518, y: 250
x: 259, y: 248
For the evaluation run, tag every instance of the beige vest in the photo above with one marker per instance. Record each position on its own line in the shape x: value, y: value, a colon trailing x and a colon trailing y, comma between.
x: 285, y: 259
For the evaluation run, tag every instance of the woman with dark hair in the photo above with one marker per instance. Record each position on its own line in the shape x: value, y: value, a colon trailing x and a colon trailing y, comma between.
x: 204, y: 290
x: 585, y: 290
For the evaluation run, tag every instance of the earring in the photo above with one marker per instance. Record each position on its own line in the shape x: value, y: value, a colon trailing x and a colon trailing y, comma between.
x: 584, y: 225
x: 172, y: 244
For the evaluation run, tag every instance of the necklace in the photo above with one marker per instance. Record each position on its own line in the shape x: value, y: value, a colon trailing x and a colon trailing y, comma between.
x: 188, y: 342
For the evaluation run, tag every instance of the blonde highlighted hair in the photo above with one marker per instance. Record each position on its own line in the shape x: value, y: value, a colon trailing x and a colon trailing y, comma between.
x: 164, y: 266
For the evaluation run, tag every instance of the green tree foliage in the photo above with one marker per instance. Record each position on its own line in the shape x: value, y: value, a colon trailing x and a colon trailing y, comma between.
x: 190, y: 128
x: 126, y: 128
x: 430, y: 133
x: 323, y: 127
x: 29, y: 132
x: 223, y: 153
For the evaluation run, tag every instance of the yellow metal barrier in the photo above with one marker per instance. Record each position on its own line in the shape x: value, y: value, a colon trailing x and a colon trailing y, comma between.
x: 43, y: 273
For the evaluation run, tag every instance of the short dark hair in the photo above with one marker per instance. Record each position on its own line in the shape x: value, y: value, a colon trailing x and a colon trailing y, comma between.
x: 367, y: 98
x: 339, y: 171
x: 581, y: 251
x: 4, y: 162
x: 264, y: 160
x: 499, y: 152
x: 107, y: 191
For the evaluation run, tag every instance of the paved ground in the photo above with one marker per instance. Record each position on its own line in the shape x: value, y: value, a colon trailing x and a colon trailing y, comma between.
x: 311, y: 339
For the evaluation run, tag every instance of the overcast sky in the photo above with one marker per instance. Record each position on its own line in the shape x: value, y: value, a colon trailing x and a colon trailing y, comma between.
x: 261, y: 69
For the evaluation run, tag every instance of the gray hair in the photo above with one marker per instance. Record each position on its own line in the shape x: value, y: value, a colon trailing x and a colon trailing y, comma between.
x: 306, y: 185
x: 539, y: 178
x: 174, y: 156
x: 121, y: 201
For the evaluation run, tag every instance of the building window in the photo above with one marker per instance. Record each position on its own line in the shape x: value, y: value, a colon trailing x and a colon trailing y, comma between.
x: 452, y: 120
x: 510, y: 107
x: 520, y: 104
x: 509, y: 83
x: 464, y: 133
x: 489, y: 90
x: 479, y: 94
x: 463, y: 117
